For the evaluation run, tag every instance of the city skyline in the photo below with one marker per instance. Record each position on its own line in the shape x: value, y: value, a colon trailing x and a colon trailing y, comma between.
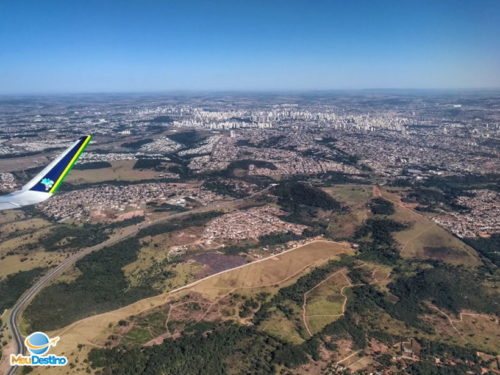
x: 60, y: 47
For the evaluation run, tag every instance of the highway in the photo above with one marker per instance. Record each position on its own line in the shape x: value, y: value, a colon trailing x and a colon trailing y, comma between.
x: 28, y: 295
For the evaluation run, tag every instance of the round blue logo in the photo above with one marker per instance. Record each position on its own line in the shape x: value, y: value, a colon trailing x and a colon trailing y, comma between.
x: 38, y: 343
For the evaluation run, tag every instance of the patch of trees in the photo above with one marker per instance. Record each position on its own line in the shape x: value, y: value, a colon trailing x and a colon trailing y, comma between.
x: 162, y: 119
x: 376, y: 242
x: 458, y: 184
x: 450, y: 288
x: 148, y: 164
x: 278, y: 238
x: 125, y: 223
x: 244, y: 142
x: 137, y: 144
x: 487, y: 247
x: 182, y: 170
x: 201, y: 326
x: 387, y: 338
x: 248, y: 307
x: 291, y: 356
x: 93, y: 165
x: 271, y: 142
x: 292, y: 195
x: 442, y: 191
x: 227, y: 349
x: 187, y: 138
x: 14, y: 285
x: 344, y: 158
x: 236, y: 249
x: 76, y: 237
x: 185, y: 222
x: 18, y: 155
x: 337, y: 178
x: 245, y: 164
x: 380, y: 206
x: 102, y: 286
x: 432, y: 348
x: 432, y: 198
x: 347, y: 325
x: 295, y: 292
x: 164, y: 207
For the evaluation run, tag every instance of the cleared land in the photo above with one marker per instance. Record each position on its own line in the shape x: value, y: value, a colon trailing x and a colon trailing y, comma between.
x: 425, y: 239
x: 272, y: 271
x: 121, y: 170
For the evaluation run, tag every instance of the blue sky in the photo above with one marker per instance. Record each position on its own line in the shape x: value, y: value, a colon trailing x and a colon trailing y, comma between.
x: 152, y: 45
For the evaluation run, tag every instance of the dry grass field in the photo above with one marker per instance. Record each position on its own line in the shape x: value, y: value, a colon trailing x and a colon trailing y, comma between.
x: 121, y: 170
x: 426, y: 239
x: 350, y: 193
x: 17, y: 262
x: 14, y: 227
x: 11, y: 216
x: 272, y: 271
x: 16, y: 244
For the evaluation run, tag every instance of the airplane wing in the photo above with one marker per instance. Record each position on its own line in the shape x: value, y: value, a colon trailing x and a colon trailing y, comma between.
x: 48, y: 181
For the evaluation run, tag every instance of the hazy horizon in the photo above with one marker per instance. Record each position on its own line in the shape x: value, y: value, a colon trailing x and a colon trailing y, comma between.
x: 92, y: 46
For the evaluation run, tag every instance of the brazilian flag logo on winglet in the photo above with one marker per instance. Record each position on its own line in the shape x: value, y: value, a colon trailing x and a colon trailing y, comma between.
x: 48, y: 183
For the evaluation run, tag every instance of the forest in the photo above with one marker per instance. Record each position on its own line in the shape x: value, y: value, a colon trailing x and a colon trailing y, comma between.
x: 227, y: 349
x: 14, y: 285
x: 101, y: 286
x: 380, y: 206
x: 292, y: 195
x: 93, y: 165
x: 78, y: 237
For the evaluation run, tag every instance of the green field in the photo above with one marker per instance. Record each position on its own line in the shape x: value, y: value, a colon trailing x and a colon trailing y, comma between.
x: 351, y: 194
x: 278, y: 325
x: 145, y: 328
x: 326, y: 299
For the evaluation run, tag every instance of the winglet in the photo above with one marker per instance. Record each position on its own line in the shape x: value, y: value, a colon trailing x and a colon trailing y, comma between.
x: 51, y: 178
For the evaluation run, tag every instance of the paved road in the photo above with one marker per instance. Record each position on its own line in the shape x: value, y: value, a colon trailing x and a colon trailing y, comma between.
x: 28, y: 295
